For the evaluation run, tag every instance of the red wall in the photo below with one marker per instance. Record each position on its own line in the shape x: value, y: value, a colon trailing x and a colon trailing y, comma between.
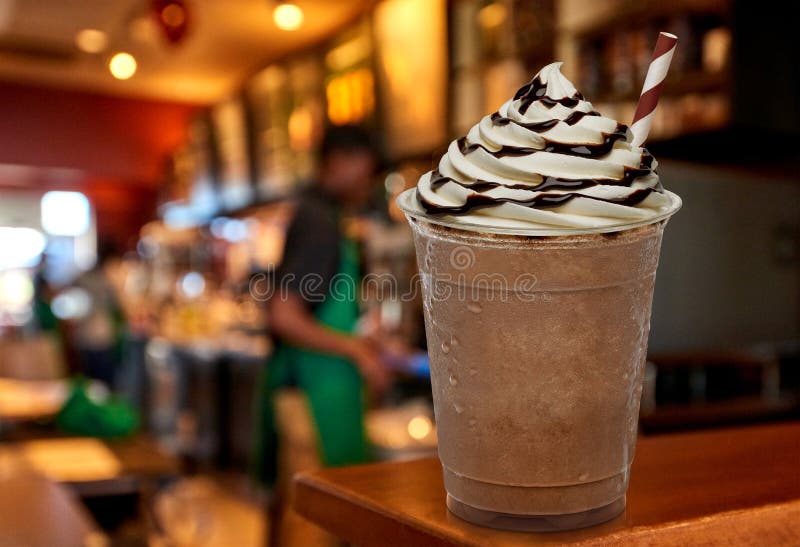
x: 121, y: 145
x: 103, y: 135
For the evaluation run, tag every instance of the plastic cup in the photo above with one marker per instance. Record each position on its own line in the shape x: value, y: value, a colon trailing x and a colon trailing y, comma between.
x: 537, y: 343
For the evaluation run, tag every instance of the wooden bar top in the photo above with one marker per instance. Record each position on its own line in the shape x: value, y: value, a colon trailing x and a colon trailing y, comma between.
x: 723, y: 487
x: 37, y: 512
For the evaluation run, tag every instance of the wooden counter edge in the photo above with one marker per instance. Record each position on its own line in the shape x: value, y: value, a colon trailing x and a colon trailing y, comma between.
x: 359, y: 520
x: 774, y: 524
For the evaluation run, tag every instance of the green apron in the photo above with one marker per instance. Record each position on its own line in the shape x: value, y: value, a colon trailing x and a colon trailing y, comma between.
x: 332, y: 385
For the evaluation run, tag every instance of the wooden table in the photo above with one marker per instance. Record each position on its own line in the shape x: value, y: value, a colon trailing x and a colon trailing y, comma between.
x: 92, y: 467
x: 37, y: 512
x: 723, y: 487
x: 28, y: 400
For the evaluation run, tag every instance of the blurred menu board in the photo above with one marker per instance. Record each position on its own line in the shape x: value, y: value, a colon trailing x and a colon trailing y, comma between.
x: 306, y: 119
x: 609, y: 59
x: 496, y: 47
x: 193, y: 169
x: 230, y: 137
x: 349, y: 83
x: 287, y: 108
x: 202, y: 164
x: 411, y: 41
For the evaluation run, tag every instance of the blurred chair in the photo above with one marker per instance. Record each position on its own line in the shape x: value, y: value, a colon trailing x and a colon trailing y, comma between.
x: 35, y: 358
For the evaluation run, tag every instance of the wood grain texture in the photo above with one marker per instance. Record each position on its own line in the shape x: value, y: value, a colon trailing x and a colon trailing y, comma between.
x: 730, y: 486
x: 37, y: 512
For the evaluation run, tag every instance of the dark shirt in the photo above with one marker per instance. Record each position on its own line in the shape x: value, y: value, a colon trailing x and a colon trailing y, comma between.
x: 311, y: 255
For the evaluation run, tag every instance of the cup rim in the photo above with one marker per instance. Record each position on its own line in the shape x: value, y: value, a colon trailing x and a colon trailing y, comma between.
x: 408, y: 204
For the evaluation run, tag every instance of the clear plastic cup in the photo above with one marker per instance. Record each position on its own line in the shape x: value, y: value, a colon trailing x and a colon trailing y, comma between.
x: 537, y: 342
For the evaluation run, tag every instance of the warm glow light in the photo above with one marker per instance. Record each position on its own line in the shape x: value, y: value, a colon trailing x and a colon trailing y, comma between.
x: 90, y: 40
x: 419, y: 427
x: 351, y: 96
x: 492, y: 15
x: 412, y: 54
x: 288, y: 16
x: 16, y: 290
x: 301, y: 129
x: 122, y: 66
x: 348, y: 54
x: 173, y: 15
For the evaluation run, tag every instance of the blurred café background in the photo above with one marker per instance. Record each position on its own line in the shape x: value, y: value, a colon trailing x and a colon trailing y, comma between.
x: 150, y: 151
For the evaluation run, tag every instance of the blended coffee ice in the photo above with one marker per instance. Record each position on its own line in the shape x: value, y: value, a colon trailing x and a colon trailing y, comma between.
x: 537, y: 238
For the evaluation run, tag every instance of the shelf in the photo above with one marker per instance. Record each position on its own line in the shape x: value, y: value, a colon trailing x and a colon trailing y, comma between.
x: 693, y: 82
x: 645, y: 11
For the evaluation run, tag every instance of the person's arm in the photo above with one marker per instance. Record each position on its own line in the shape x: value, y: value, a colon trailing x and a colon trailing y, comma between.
x: 291, y: 320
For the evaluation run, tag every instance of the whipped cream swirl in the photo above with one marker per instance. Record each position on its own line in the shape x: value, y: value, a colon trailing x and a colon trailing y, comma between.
x: 546, y: 158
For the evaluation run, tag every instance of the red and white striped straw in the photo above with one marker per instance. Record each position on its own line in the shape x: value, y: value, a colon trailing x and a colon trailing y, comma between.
x: 648, y: 100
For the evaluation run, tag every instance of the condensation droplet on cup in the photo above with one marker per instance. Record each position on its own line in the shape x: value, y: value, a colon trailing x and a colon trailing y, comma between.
x: 474, y: 307
x: 473, y: 371
x: 459, y: 409
x: 454, y: 341
x: 453, y: 380
x: 472, y: 422
x: 583, y: 476
x: 445, y: 347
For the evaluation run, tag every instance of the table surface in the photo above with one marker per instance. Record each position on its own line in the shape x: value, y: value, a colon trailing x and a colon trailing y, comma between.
x: 729, y: 486
x: 91, y: 467
x: 23, y: 400
x: 35, y: 511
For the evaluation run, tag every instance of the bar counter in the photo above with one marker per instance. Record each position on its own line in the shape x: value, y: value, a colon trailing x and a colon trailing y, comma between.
x: 721, y: 487
x: 35, y: 511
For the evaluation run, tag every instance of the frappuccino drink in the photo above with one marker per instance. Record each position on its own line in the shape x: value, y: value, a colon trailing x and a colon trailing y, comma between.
x: 537, y: 238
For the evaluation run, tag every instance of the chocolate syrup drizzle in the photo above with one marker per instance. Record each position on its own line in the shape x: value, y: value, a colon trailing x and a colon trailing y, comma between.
x: 535, y: 90
x: 554, y: 183
x: 500, y: 120
x: 541, y: 201
x: 584, y: 150
x: 477, y: 200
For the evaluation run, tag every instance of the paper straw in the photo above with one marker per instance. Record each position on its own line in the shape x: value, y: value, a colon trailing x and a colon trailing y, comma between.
x: 648, y: 100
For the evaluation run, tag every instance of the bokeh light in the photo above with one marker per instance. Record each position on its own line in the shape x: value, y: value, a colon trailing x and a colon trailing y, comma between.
x: 419, y: 427
x: 65, y: 213
x: 288, y: 16
x: 122, y: 66
x: 90, y: 40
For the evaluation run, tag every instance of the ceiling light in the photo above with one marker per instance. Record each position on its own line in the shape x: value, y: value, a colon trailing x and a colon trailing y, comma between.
x: 91, y: 40
x: 122, y: 66
x: 492, y: 15
x: 287, y: 16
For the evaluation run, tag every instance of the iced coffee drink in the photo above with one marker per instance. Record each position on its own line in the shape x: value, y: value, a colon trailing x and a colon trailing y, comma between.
x: 537, y: 238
